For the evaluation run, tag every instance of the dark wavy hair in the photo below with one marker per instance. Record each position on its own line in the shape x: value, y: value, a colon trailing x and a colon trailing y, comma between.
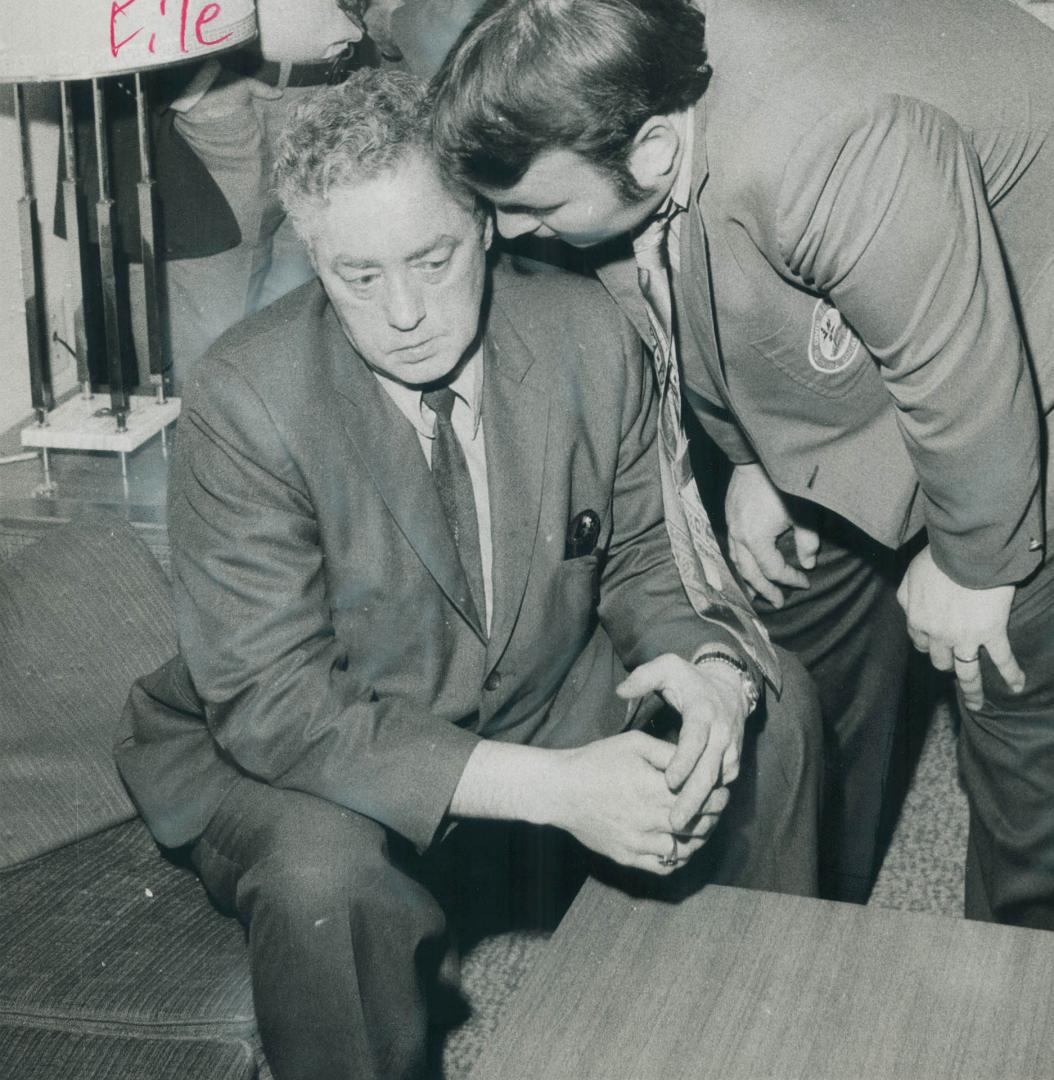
x: 583, y: 75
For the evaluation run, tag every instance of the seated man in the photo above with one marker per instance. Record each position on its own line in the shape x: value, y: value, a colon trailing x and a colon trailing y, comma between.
x: 416, y: 550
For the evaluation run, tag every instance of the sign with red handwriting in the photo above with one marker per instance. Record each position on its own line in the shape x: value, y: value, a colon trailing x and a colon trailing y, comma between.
x: 83, y: 39
x: 139, y: 24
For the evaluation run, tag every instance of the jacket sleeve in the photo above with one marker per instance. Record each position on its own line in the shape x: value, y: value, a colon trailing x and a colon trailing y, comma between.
x: 882, y: 210
x: 643, y: 605
x: 255, y: 627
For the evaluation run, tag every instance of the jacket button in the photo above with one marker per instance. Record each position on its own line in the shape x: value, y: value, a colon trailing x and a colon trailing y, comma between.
x: 492, y: 681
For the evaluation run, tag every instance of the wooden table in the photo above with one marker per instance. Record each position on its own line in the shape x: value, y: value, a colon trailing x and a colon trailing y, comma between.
x: 742, y: 985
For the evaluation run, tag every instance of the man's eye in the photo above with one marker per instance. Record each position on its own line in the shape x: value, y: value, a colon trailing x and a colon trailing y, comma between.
x: 363, y: 281
x: 435, y: 264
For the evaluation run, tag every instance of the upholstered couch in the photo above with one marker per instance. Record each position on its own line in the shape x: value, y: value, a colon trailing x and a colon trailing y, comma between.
x: 113, y: 964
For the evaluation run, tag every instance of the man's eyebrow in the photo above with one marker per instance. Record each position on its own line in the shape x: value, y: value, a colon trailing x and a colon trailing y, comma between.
x: 417, y: 253
x: 354, y: 264
x: 524, y: 208
x: 426, y: 249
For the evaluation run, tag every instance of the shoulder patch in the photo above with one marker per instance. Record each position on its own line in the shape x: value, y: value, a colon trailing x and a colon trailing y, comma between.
x: 832, y: 344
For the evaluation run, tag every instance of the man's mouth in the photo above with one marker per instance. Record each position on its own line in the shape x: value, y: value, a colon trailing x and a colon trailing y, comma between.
x: 416, y: 348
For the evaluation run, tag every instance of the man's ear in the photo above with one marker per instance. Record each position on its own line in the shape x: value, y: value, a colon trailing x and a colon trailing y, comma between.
x: 654, y: 154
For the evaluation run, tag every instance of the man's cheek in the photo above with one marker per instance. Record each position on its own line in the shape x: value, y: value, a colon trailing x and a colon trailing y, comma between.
x: 458, y: 303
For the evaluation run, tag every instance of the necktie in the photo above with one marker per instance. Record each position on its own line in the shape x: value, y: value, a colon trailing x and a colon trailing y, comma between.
x: 710, y: 585
x: 454, y: 485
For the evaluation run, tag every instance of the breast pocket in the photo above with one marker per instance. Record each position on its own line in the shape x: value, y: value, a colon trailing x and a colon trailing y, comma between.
x: 579, y: 582
x: 821, y: 352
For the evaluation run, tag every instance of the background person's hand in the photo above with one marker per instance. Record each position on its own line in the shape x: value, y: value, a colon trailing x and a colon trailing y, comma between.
x: 712, y: 703
x: 952, y: 623
x: 757, y: 516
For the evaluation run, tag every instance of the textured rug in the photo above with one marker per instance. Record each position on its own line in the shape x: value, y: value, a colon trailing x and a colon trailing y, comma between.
x: 922, y: 869
x: 924, y: 866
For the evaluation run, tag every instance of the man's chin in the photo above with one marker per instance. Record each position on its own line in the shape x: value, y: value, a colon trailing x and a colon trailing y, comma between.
x: 590, y: 241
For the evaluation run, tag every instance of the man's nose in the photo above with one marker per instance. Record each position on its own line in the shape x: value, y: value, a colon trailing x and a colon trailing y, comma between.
x: 513, y: 225
x: 405, y: 306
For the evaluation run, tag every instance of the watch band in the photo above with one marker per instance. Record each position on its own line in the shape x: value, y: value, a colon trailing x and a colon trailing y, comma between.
x: 720, y: 656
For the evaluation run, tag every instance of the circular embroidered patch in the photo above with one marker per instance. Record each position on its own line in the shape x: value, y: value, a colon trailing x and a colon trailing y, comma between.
x: 832, y: 345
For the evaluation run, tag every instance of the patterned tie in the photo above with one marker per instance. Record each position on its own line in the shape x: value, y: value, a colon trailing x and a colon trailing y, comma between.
x: 710, y: 585
x: 454, y: 485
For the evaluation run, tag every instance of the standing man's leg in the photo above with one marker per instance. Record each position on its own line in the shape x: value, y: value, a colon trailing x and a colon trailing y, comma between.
x: 344, y: 943
x: 850, y: 633
x: 1006, y: 755
x: 208, y: 295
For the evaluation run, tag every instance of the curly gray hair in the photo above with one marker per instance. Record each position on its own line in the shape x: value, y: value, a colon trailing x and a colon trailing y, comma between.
x: 346, y: 134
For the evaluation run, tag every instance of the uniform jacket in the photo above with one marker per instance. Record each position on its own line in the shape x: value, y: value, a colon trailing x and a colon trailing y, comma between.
x: 316, y: 579
x: 860, y: 173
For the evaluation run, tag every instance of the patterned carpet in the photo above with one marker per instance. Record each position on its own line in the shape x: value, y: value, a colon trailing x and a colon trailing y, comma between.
x: 923, y: 868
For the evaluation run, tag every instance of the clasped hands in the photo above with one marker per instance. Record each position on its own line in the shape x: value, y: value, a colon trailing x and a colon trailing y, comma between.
x: 651, y: 804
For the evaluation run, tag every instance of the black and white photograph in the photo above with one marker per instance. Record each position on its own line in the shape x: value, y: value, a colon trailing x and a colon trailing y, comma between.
x: 526, y: 540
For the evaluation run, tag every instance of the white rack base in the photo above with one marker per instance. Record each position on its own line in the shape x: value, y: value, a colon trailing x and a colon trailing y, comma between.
x: 86, y: 424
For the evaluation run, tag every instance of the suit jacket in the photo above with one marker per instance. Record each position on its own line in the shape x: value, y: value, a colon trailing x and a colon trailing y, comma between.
x: 860, y: 174
x: 323, y: 647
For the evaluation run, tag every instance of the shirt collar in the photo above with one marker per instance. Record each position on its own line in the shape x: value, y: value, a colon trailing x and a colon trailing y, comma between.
x: 468, y: 386
x: 681, y: 193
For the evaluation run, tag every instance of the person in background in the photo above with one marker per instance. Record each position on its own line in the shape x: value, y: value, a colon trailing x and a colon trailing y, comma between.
x: 230, y: 115
x: 225, y: 245
x: 840, y: 220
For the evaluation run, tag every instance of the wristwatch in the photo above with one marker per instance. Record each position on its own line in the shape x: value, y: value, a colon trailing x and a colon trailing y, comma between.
x: 751, y: 689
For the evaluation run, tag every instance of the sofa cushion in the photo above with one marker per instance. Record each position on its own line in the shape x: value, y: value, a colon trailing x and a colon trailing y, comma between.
x: 34, y: 1054
x: 106, y: 937
x: 83, y: 613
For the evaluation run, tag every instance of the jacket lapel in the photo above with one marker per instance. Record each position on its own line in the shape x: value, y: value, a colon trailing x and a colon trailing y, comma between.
x: 516, y: 429
x: 619, y: 276
x: 391, y: 453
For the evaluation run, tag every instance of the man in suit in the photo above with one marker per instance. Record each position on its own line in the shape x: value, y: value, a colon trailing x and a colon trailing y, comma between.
x: 857, y: 208
x: 422, y: 577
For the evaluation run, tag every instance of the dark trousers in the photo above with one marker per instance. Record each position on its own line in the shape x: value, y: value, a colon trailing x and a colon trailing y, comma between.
x: 850, y: 633
x: 1006, y: 757
x: 350, y: 930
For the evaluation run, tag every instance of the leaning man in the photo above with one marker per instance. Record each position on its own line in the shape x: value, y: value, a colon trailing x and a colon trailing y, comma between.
x: 422, y: 577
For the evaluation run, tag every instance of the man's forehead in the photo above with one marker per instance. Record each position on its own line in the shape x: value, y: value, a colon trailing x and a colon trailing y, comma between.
x: 407, y: 189
x: 401, y: 215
